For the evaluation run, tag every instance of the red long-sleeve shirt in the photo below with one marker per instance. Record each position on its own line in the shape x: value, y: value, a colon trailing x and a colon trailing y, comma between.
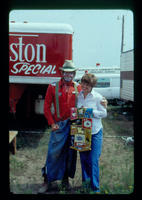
x: 66, y: 95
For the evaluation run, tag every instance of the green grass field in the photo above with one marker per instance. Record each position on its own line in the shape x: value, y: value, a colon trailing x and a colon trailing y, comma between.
x: 116, y: 161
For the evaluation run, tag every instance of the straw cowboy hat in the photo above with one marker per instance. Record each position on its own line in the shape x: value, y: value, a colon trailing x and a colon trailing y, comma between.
x: 68, y: 66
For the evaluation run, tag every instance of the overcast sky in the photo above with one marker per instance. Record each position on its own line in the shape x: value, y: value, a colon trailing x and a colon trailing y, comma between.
x: 97, y: 33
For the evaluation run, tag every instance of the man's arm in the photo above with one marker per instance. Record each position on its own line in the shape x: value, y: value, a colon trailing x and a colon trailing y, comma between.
x: 104, y: 102
x: 47, y: 105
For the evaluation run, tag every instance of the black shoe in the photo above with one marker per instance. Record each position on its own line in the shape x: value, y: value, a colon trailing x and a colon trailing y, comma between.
x: 65, y: 184
x: 45, y: 187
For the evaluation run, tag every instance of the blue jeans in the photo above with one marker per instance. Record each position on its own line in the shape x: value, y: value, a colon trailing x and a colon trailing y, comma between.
x: 61, y: 160
x: 90, y: 162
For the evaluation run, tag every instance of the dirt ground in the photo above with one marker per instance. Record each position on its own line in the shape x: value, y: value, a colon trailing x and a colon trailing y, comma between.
x: 116, y: 161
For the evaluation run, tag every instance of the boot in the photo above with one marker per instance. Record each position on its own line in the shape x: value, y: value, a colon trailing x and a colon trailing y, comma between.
x: 66, y: 184
x: 45, y: 187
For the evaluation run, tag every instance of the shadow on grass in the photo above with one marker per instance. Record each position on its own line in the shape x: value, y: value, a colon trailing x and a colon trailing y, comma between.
x: 30, y: 139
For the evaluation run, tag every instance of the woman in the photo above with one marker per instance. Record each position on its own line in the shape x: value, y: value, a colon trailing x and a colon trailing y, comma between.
x: 88, y: 98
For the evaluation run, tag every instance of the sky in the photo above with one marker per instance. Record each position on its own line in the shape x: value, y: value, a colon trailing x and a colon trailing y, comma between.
x: 97, y: 33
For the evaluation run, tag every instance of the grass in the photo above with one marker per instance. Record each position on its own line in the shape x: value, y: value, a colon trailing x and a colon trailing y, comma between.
x: 116, y: 161
x: 116, y: 168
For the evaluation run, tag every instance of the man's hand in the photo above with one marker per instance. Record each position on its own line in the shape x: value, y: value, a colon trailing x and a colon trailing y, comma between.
x: 104, y: 102
x: 54, y: 127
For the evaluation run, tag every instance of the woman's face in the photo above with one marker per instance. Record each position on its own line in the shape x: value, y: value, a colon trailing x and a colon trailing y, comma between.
x: 86, y: 88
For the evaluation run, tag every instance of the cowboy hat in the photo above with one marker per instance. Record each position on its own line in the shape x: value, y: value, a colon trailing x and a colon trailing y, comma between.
x: 68, y: 66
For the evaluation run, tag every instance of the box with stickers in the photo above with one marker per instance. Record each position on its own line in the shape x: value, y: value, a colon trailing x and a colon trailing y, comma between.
x: 81, y: 128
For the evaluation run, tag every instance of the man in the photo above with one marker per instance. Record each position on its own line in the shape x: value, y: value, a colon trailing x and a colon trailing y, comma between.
x: 61, y: 160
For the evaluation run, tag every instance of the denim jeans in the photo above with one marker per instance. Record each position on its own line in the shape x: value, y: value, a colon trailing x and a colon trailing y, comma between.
x: 61, y: 160
x: 90, y: 162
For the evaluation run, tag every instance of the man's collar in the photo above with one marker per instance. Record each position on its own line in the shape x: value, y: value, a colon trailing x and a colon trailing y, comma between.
x: 63, y: 83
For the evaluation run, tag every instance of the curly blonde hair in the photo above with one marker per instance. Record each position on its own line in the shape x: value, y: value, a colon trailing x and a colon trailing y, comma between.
x: 89, y: 79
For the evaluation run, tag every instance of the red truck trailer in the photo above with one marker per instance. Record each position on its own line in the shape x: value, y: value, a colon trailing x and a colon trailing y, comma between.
x: 36, y: 51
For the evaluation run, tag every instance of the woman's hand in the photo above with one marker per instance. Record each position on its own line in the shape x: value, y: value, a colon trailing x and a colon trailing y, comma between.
x: 104, y: 102
x: 54, y: 127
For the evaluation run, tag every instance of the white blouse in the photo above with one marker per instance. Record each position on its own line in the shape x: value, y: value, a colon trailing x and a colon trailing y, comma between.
x: 93, y: 100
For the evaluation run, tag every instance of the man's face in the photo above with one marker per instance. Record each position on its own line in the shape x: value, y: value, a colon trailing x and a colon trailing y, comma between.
x: 68, y: 76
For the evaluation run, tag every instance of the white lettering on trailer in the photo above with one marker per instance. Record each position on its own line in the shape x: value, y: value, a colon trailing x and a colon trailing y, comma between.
x: 50, y: 70
x: 33, y: 69
x: 40, y: 49
x: 23, y: 68
x: 14, y: 52
x: 26, y: 52
x: 29, y: 69
x: 20, y: 49
x: 38, y: 53
x: 53, y: 72
x: 38, y: 66
x: 42, y: 69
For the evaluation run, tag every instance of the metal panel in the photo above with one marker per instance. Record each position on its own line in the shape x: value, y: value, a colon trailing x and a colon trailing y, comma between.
x: 127, y: 90
x: 127, y: 61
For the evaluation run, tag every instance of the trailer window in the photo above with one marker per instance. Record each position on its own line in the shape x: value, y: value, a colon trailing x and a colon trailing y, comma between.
x: 103, y: 82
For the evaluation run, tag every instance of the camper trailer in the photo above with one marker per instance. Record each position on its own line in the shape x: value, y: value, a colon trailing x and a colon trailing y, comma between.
x: 108, y: 85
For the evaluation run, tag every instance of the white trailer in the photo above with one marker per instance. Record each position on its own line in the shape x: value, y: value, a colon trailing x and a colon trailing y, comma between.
x: 108, y: 85
x: 127, y: 76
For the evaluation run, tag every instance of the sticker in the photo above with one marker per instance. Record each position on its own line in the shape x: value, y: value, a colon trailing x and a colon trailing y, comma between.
x: 88, y: 113
x: 73, y: 113
x: 74, y: 129
x: 79, y: 139
x: 80, y: 130
x: 87, y: 123
x: 80, y: 112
